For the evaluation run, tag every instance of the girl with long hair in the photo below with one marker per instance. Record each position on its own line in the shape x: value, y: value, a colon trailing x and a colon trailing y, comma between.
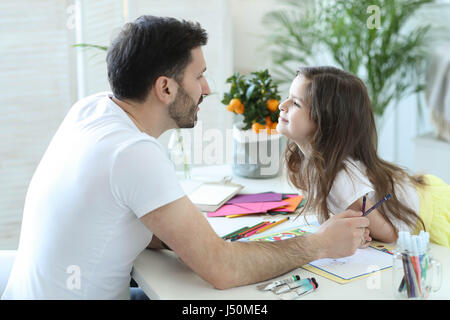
x: 331, y: 156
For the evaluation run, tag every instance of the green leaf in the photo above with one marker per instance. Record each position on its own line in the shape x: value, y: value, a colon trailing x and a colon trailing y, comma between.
x: 90, y: 46
x: 249, y: 92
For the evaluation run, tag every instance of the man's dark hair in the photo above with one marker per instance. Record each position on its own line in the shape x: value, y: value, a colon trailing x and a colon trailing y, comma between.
x: 148, y: 48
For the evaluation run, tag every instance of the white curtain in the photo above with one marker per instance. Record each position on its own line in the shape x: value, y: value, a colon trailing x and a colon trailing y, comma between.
x: 36, y: 90
x: 97, y: 23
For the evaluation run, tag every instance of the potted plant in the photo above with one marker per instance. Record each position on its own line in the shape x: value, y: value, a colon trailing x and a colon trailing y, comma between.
x: 257, y: 145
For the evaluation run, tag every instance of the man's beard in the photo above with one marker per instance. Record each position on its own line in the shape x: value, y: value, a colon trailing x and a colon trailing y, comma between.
x: 184, y: 109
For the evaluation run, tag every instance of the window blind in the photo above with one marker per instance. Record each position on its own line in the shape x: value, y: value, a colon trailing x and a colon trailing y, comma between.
x: 35, y: 86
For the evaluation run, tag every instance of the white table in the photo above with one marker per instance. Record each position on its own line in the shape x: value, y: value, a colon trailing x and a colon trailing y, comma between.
x: 162, y: 275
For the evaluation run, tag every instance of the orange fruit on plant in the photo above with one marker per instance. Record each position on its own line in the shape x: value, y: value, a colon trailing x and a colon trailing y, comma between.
x: 234, y: 103
x: 273, y: 128
x: 256, y: 127
x: 272, y: 105
x: 268, y: 122
x: 230, y: 108
x: 239, y: 109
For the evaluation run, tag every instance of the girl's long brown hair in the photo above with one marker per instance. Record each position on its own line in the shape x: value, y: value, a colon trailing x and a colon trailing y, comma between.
x: 340, y: 106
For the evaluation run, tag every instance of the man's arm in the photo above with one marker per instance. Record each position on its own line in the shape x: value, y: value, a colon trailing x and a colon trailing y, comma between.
x: 156, y: 243
x: 186, y: 231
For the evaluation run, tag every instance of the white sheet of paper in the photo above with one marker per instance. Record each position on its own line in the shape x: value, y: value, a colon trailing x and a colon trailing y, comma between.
x: 210, y: 194
x: 364, y: 261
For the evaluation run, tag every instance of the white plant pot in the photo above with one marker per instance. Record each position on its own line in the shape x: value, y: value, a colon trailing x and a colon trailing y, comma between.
x: 257, y: 155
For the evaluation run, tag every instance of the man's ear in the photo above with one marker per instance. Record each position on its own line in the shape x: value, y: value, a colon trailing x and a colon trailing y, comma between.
x: 165, y: 89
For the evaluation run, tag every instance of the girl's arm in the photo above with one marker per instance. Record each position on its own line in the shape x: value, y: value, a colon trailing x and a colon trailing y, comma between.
x: 380, y: 228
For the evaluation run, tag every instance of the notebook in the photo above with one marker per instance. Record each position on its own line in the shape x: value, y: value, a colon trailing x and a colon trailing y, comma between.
x: 362, y: 264
x: 210, y: 196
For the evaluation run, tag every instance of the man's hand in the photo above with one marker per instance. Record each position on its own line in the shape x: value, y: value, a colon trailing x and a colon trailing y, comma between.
x: 366, y: 239
x: 342, y: 234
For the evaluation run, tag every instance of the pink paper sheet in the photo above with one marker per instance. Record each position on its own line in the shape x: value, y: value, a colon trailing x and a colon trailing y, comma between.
x: 246, y: 208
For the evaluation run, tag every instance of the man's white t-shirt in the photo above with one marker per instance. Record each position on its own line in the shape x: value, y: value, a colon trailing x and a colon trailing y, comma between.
x: 81, y: 230
x: 353, y: 183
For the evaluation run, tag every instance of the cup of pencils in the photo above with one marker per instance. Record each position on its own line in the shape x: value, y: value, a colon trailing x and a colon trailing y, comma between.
x: 415, y: 273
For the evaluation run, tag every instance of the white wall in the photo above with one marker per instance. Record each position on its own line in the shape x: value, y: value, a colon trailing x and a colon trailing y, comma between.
x: 248, y: 34
x: 99, y: 20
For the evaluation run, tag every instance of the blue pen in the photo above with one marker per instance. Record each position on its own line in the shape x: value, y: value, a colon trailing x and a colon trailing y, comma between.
x: 364, y: 205
x: 379, y: 203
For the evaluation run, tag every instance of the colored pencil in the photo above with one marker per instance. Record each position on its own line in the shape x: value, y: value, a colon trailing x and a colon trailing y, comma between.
x: 272, y: 225
x: 408, y: 280
x: 417, y: 272
x: 379, y: 203
x: 231, y: 234
x: 364, y: 205
x: 242, y: 233
x: 250, y: 233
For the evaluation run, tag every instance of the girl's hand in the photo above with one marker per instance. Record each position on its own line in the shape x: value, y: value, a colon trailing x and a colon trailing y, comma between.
x: 381, y: 229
